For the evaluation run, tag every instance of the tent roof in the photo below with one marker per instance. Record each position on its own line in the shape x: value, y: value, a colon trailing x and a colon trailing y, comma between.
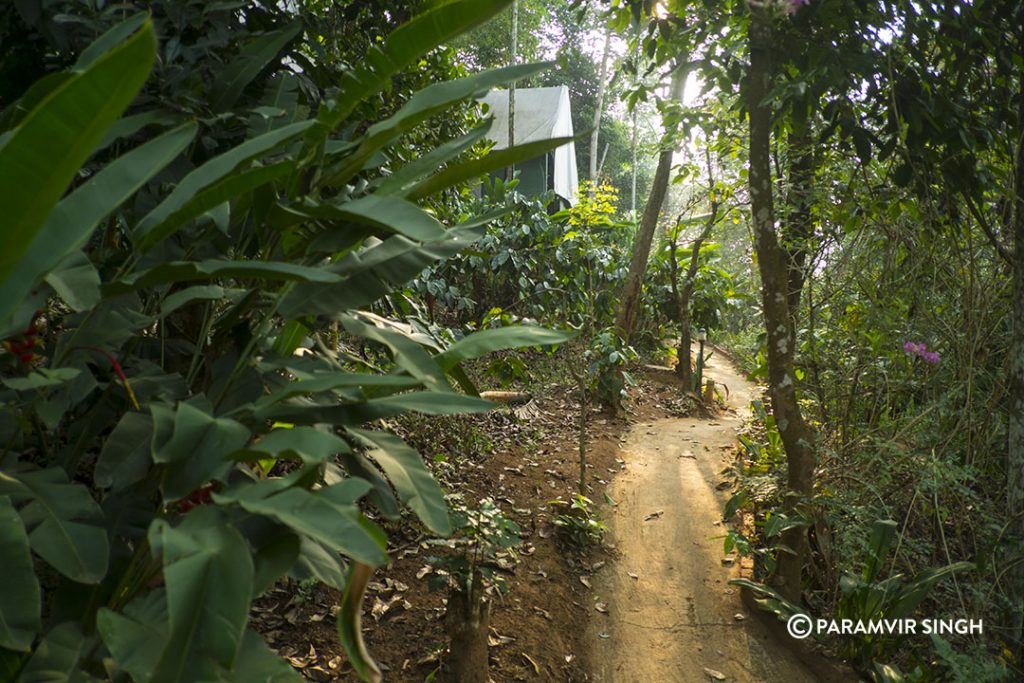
x: 541, y: 114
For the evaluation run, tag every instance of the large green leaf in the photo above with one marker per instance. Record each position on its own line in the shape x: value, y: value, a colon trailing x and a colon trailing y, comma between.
x: 281, y: 94
x: 162, y: 221
x: 127, y: 126
x: 76, y: 281
x: 337, y: 380
x: 883, y: 535
x: 108, y: 40
x: 257, y: 663
x: 251, y: 60
x: 409, y: 475
x: 208, y: 572
x: 137, y: 638
x: 407, y: 354
x: 194, y: 445
x: 486, y: 341
x: 317, y: 562
x: 334, y: 522
x: 391, y: 213
x: 431, y: 161
x: 42, y: 378
x: 125, y: 457
x: 59, y: 516
x: 408, y: 42
x: 432, y: 100
x: 42, y: 155
x: 37, y: 92
x: 220, y: 193
x: 185, y: 271
x: 917, y: 589
x: 56, y: 658
x: 477, y: 168
x: 349, y: 628
x: 372, y: 273
x: 20, y: 600
x: 309, y: 444
x: 197, y: 293
x: 427, y: 402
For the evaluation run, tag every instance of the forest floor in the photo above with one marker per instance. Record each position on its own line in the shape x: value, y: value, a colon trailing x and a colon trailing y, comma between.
x: 650, y: 603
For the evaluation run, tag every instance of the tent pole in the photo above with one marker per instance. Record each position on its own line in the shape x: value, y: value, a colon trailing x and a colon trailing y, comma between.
x: 512, y: 86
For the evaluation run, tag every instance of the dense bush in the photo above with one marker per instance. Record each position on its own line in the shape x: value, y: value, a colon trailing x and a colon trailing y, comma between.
x: 183, y: 420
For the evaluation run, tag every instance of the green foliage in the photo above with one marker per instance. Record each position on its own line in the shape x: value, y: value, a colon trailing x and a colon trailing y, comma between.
x: 715, y: 293
x: 576, y: 519
x: 607, y: 356
x: 483, y: 546
x: 866, y: 596
x: 170, y: 454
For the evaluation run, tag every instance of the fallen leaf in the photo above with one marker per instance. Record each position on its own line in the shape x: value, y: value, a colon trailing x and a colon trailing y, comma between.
x: 601, y: 607
x: 717, y: 675
x: 585, y: 581
x: 494, y: 639
x: 633, y: 576
x: 654, y: 515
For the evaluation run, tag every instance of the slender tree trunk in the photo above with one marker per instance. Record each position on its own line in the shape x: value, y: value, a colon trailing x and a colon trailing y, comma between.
x: 799, y: 229
x: 1015, y: 451
x: 512, y: 86
x: 630, y: 301
x: 682, y: 298
x: 632, y: 196
x: 683, y: 369
x: 602, y: 87
x: 632, y: 142
x: 773, y: 263
x: 468, y: 621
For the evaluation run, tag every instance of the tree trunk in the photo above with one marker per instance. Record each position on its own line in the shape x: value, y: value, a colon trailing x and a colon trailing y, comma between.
x: 683, y: 369
x: 773, y: 263
x: 511, y: 170
x: 630, y: 301
x: 684, y: 358
x: 602, y: 87
x: 799, y: 229
x: 1015, y: 451
x: 468, y: 621
x: 632, y: 174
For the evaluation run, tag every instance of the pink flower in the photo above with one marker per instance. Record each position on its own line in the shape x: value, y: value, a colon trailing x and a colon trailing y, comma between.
x: 921, y: 350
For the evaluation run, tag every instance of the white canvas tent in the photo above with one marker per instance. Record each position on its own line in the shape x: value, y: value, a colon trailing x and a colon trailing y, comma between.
x: 541, y: 114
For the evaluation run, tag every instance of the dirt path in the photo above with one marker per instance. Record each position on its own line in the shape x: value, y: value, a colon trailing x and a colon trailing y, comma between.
x: 671, y: 613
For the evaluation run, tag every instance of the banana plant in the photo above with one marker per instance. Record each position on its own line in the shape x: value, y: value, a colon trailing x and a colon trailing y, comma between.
x: 171, y: 453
